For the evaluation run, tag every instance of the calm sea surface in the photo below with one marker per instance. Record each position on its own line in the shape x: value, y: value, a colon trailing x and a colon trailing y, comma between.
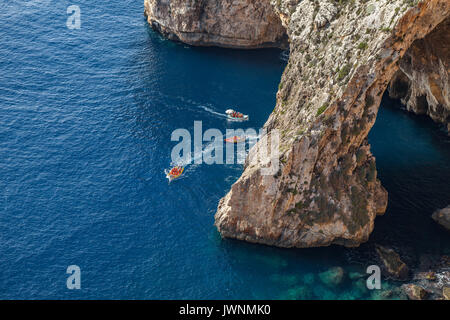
x: 85, y: 123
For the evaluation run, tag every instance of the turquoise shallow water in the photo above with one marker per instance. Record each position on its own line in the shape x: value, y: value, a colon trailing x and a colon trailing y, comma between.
x: 85, y: 123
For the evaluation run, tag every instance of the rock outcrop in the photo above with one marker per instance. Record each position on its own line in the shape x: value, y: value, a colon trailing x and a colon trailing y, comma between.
x: 393, y: 263
x: 415, y: 292
x: 333, y: 276
x: 343, y: 54
x: 422, y: 81
x: 430, y: 280
x: 442, y: 217
x: 226, y: 23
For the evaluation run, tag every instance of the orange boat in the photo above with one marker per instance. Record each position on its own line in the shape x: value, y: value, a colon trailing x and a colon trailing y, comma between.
x: 235, y: 139
x: 174, y: 173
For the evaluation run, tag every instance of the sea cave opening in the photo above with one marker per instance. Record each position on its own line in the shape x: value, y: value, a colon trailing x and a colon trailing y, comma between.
x: 410, y: 141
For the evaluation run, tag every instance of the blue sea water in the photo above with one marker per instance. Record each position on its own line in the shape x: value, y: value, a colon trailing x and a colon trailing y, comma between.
x: 85, y: 123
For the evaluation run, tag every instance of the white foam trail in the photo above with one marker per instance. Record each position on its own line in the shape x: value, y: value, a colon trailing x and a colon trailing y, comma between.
x: 209, y: 109
x: 190, y: 164
x: 192, y: 158
x: 221, y: 115
x: 235, y: 120
x: 197, y: 105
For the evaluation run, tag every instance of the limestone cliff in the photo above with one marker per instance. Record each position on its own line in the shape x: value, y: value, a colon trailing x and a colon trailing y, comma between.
x: 343, y: 55
x: 225, y: 23
x: 422, y: 81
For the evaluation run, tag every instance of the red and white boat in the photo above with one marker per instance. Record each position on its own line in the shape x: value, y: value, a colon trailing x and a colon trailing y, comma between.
x: 234, y: 115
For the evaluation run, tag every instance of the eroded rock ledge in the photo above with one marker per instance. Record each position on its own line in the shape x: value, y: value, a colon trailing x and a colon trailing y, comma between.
x: 242, y: 24
x: 343, y: 55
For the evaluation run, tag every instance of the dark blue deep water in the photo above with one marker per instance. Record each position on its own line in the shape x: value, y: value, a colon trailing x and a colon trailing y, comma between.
x: 85, y: 123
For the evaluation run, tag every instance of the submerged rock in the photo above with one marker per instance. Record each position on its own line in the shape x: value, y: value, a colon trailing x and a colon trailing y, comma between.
x: 394, y: 265
x: 309, y: 278
x: 389, y: 294
x: 355, y: 275
x: 415, y: 292
x: 442, y: 217
x: 285, y: 279
x: 388, y: 291
x: 333, y: 276
x: 382, y: 295
x: 325, y: 292
x: 360, y: 288
x: 298, y: 293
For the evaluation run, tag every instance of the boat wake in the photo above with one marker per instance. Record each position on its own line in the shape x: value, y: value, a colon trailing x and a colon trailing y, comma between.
x: 192, y: 159
x: 213, y: 112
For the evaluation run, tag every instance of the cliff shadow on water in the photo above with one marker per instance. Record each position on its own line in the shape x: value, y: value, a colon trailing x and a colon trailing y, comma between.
x: 413, y: 161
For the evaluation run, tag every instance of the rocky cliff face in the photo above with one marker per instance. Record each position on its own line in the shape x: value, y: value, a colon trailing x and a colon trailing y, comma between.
x: 422, y: 81
x: 343, y: 56
x: 225, y: 23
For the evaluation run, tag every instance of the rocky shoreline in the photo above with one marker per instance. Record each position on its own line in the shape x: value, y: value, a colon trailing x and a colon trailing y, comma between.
x: 429, y: 280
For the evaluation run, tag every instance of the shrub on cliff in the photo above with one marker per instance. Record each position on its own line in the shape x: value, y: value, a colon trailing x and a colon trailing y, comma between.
x: 344, y: 71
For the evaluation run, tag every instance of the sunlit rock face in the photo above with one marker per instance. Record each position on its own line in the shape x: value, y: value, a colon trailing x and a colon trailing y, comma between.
x: 343, y: 55
x: 422, y: 81
x: 226, y: 23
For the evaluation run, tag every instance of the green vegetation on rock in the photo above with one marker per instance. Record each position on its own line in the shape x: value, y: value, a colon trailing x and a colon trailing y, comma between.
x: 344, y: 71
x: 362, y: 45
x: 322, y: 109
